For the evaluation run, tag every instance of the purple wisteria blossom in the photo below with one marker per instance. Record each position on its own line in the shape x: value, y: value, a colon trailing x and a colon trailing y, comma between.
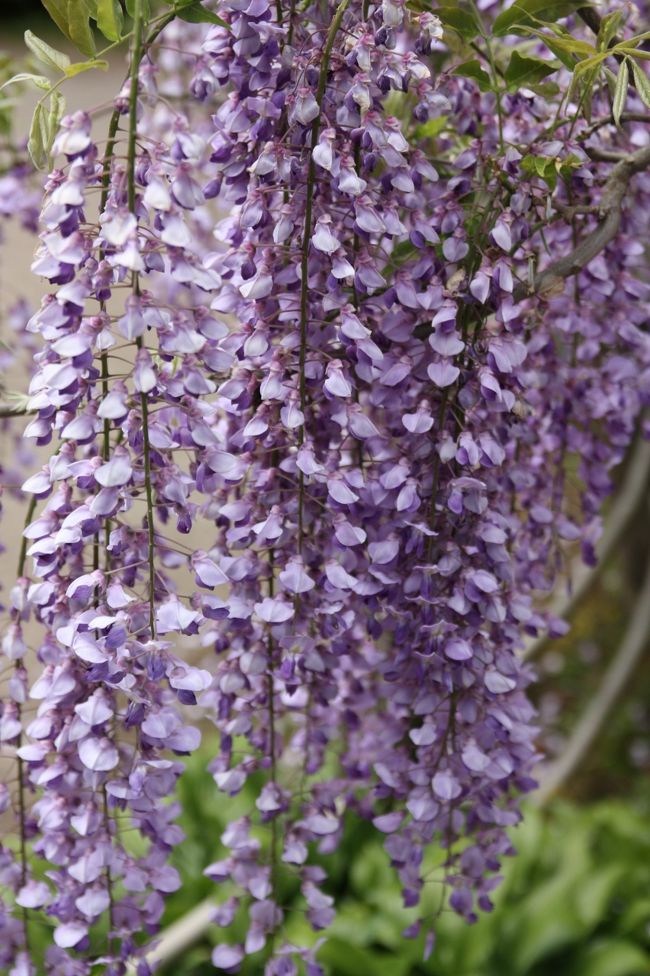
x: 309, y: 434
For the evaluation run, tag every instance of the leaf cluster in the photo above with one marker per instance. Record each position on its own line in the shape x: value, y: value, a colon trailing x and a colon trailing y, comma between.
x: 537, y: 20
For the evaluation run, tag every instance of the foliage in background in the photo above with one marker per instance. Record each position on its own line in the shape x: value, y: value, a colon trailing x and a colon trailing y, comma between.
x: 575, y: 901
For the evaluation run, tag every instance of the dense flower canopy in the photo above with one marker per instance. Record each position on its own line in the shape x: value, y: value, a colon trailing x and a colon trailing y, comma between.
x: 324, y: 404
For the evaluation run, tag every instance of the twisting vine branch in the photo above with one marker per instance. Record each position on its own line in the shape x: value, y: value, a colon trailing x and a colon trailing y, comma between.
x: 611, y: 686
x: 610, y: 209
x: 584, y: 578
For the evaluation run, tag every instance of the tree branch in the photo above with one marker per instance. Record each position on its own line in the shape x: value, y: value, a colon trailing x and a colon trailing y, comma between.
x: 590, y: 17
x: 181, y: 935
x: 584, y: 578
x: 594, y: 716
x: 610, y: 209
x: 609, y: 120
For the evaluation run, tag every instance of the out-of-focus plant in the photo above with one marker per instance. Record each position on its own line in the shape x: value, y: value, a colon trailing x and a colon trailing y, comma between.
x: 574, y: 901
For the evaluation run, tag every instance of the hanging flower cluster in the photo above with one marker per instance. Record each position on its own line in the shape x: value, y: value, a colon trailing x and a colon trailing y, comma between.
x: 310, y: 414
x: 19, y: 208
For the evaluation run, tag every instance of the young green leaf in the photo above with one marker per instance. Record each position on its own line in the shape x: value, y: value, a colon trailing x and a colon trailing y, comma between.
x: 110, y: 19
x: 80, y: 66
x: 37, y: 141
x: 592, y: 63
x: 565, y: 42
x: 523, y: 71
x: 45, y: 53
x: 79, y: 29
x: 609, y: 28
x: 474, y: 69
x: 57, y: 108
x: 464, y: 22
x: 195, y: 13
x: 642, y: 83
x: 527, y: 13
x: 431, y: 128
x: 620, y: 92
x: 39, y: 80
x: 610, y: 79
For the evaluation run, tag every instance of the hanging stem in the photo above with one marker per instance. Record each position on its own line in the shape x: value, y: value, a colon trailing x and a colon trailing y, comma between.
x: 306, y: 237
x: 136, y: 59
x: 22, y: 806
x: 273, y: 854
x: 494, y: 72
x: 149, y: 497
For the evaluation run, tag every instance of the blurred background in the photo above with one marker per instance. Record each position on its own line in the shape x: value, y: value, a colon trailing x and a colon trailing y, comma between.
x: 576, y: 899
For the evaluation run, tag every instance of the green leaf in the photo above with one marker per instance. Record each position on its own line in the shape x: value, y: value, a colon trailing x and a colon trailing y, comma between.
x: 58, y: 11
x: 39, y: 80
x: 110, y: 19
x: 79, y: 26
x: 463, y: 22
x: 57, y: 109
x: 523, y: 71
x: 195, y: 13
x: 527, y: 13
x: 130, y: 8
x: 542, y: 166
x: 430, y: 129
x: 547, y: 89
x: 592, y: 901
x: 45, y: 53
x: 609, y: 28
x: 560, y: 53
x: 613, y: 957
x: 72, y: 17
x: 80, y: 66
x: 642, y: 83
x: 564, y: 42
x: 474, y: 69
x: 588, y: 64
x: 620, y: 92
x: 38, y: 135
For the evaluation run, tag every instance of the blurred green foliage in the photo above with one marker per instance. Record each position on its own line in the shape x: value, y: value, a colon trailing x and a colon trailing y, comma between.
x: 574, y: 902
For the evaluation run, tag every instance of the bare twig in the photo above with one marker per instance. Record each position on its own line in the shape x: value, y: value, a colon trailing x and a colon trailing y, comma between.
x: 600, y: 155
x: 609, y: 120
x: 594, y: 716
x: 584, y: 577
x: 182, y: 934
x: 591, y: 18
x: 611, y: 204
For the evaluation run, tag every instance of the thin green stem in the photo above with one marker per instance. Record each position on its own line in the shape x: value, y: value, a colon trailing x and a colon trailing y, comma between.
x: 22, y: 555
x: 494, y: 71
x: 111, y: 142
x: 136, y: 58
x: 292, y: 14
x: 306, y: 238
x: 144, y: 403
x: 22, y: 806
x: 109, y: 876
x: 440, y: 420
x: 273, y: 853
